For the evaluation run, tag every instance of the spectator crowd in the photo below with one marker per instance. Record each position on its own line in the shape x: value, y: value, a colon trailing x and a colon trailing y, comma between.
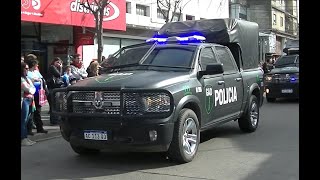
x: 36, y: 90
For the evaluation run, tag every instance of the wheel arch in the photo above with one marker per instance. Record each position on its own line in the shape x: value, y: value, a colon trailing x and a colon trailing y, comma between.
x: 191, y: 102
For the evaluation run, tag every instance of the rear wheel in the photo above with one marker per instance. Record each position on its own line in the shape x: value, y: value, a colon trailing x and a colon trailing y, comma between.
x: 84, y: 151
x: 186, y: 137
x: 250, y: 120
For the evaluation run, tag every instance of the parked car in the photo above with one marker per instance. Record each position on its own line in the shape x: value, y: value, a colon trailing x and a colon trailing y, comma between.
x: 160, y: 95
x: 283, y: 80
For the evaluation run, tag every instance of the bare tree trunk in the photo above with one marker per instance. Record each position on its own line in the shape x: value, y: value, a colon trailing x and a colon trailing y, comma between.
x: 100, y: 34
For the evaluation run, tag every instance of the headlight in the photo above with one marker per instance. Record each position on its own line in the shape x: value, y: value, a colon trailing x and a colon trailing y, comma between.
x: 294, y: 77
x: 155, y: 103
x: 146, y: 103
x: 268, y: 78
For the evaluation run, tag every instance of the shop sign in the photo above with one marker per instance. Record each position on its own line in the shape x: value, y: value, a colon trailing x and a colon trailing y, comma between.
x: 72, y: 12
x: 82, y: 38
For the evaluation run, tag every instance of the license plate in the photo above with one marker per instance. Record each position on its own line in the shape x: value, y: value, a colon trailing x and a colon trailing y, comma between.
x: 96, y: 135
x: 286, y: 90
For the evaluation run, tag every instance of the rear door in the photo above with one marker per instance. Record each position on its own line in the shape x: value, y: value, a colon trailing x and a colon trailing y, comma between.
x: 231, y: 96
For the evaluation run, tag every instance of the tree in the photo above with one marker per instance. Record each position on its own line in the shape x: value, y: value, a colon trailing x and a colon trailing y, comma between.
x: 165, y: 6
x: 97, y: 8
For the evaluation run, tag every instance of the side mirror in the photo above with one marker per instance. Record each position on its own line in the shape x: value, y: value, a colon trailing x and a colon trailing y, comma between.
x: 212, y: 69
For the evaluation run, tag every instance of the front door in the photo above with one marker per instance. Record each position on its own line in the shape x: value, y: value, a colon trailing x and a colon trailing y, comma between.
x: 210, y: 111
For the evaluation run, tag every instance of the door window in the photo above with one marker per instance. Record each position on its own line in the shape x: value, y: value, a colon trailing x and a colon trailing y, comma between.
x: 207, y: 57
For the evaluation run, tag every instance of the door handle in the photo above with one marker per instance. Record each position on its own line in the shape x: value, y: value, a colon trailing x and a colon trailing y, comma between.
x: 220, y: 82
x: 238, y: 79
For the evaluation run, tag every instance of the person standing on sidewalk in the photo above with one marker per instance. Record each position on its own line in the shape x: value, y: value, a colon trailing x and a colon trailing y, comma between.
x: 54, y: 81
x: 36, y: 78
x: 77, y: 68
x: 27, y: 92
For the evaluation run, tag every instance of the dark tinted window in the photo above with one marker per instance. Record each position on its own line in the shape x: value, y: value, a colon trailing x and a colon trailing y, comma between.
x: 286, y: 61
x: 206, y: 57
x: 225, y: 59
x: 173, y: 56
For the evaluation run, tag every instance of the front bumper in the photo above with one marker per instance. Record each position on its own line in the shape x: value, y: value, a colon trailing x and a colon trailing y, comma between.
x: 282, y: 90
x: 124, y: 135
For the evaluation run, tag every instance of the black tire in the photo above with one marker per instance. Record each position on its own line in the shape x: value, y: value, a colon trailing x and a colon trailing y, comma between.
x: 250, y: 120
x: 271, y: 99
x: 177, y: 151
x: 84, y: 151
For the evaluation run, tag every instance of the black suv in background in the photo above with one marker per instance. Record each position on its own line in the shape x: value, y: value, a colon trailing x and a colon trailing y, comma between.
x: 283, y: 80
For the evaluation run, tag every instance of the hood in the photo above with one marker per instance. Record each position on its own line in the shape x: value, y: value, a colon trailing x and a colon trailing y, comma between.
x: 133, y: 79
x: 284, y: 70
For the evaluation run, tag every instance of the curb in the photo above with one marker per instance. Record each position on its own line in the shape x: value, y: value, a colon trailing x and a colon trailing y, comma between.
x: 42, y: 137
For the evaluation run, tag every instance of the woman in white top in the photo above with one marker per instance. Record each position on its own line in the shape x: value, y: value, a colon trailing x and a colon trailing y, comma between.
x: 27, y: 92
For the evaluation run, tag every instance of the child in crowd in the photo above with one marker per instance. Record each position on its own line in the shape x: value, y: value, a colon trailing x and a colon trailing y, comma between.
x: 68, y: 78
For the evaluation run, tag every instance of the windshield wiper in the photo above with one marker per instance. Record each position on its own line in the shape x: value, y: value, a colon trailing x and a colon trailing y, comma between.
x: 108, y: 69
x: 153, y: 65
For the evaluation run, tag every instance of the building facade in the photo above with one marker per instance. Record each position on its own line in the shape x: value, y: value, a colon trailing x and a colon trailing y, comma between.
x: 58, y: 28
x: 61, y: 28
x: 143, y: 19
x: 277, y: 19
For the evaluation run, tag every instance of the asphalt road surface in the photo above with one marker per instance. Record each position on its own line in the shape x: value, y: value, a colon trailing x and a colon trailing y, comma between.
x: 225, y: 153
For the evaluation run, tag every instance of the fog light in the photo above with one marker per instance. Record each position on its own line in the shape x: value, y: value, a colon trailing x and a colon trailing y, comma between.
x: 153, y: 135
x: 267, y: 90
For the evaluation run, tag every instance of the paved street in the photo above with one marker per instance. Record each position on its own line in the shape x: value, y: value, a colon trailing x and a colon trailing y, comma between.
x: 225, y: 153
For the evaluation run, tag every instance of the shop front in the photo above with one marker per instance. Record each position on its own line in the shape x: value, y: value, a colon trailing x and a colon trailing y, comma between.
x: 56, y: 28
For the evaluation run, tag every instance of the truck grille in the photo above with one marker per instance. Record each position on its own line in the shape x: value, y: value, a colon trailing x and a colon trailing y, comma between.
x: 96, y: 102
x: 282, y: 78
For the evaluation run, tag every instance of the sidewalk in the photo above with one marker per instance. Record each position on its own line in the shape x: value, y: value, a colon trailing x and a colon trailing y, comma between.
x: 53, y: 131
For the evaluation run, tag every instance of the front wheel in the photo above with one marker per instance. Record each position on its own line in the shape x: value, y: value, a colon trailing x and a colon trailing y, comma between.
x: 186, y: 137
x: 250, y: 120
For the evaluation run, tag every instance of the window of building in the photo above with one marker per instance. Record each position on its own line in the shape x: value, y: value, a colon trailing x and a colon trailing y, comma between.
x: 141, y: 10
x: 189, y: 17
x: 274, y: 19
x: 128, y: 7
x: 176, y: 17
x: 225, y: 59
x: 160, y: 13
x: 281, y: 21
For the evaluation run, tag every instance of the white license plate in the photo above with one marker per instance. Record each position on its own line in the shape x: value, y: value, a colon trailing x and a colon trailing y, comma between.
x: 96, y: 135
x: 286, y: 90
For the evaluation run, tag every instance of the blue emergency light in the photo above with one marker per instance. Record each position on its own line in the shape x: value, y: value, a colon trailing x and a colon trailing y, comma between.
x: 293, y: 79
x: 193, y: 38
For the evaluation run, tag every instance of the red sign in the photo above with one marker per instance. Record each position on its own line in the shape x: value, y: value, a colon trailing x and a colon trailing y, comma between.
x: 82, y: 38
x: 71, y: 12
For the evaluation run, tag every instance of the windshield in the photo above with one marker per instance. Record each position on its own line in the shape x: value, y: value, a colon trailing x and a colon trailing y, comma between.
x: 151, y: 55
x: 287, y: 61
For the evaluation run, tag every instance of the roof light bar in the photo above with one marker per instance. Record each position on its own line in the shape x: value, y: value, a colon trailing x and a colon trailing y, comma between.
x: 178, y: 39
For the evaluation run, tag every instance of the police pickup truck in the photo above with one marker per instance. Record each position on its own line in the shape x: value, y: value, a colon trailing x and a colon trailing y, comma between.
x: 160, y: 95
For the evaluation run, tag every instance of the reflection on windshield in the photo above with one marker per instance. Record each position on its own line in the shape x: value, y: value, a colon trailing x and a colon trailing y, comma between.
x: 287, y: 61
x: 172, y: 56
